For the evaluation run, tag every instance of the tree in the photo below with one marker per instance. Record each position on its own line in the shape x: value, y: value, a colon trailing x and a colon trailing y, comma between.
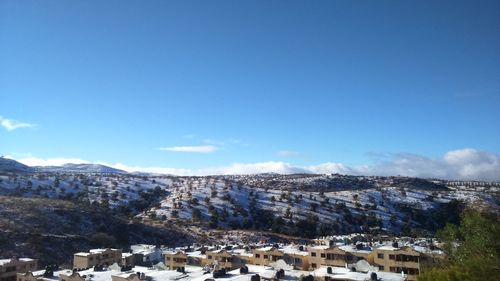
x: 472, y: 247
x: 196, y: 215
x: 103, y: 240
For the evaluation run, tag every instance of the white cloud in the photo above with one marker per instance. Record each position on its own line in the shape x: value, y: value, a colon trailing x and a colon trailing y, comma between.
x: 214, y: 142
x: 194, y: 149
x: 466, y: 164
x: 11, y: 124
x: 288, y: 153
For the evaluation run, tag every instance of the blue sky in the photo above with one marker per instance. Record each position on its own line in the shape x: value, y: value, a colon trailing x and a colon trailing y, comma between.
x: 299, y: 83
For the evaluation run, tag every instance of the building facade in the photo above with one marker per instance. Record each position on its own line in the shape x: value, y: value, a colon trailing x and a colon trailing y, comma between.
x: 393, y: 259
x: 176, y: 260
x: 97, y: 257
x: 10, y: 267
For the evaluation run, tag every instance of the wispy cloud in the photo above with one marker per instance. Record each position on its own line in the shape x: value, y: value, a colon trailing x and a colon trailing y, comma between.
x: 214, y: 142
x: 11, y: 124
x: 288, y: 153
x: 193, y: 149
x: 462, y: 164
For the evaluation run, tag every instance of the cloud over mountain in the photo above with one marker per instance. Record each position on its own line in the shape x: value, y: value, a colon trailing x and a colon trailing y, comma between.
x: 464, y: 164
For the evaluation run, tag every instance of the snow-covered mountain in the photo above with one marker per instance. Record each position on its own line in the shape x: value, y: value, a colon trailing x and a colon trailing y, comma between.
x: 9, y: 165
x: 79, y: 168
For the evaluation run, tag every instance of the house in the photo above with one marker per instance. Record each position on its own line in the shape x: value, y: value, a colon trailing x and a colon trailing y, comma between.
x: 176, y: 260
x: 398, y: 259
x: 266, y: 255
x: 129, y: 259
x: 10, y: 267
x: 97, y: 257
x: 197, y: 258
x: 222, y: 258
x: 297, y: 257
x: 327, y: 255
x: 146, y: 254
x: 241, y: 257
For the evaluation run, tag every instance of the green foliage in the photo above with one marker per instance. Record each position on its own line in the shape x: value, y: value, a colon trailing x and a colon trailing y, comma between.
x: 473, y: 249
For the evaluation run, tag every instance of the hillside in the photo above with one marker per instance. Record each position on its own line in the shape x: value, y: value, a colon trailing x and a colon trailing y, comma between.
x: 73, y: 205
x: 280, y: 203
x: 52, y: 230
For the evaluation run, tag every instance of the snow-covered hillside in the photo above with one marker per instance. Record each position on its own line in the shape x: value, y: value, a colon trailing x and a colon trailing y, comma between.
x: 279, y: 203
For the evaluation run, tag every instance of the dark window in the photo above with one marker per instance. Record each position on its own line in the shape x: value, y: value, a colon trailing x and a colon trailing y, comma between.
x: 313, y: 265
x: 322, y: 255
x: 257, y: 255
x: 313, y: 254
x: 10, y: 269
x: 380, y: 256
x: 392, y: 257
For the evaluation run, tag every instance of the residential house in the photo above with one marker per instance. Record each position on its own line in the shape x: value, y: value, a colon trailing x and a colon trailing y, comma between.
x: 176, y: 260
x: 266, y: 255
x: 97, y: 257
x: 222, y: 258
x: 398, y: 259
x: 10, y: 267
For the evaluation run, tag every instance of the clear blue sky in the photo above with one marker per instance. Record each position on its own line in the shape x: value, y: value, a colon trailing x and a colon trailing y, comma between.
x: 327, y: 81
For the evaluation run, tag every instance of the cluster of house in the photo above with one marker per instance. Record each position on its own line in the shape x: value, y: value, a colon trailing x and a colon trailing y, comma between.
x: 325, y: 260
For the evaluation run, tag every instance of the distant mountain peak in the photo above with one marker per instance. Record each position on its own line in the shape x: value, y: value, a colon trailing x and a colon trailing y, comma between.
x: 80, y: 168
x: 10, y: 165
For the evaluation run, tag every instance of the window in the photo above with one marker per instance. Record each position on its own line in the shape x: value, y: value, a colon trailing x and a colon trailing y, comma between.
x: 257, y: 256
x: 10, y: 269
x: 313, y: 265
x: 266, y: 256
x: 313, y: 254
x: 322, y: 255
x: 209, y: 257
x: 380, y: 256
x: 392, y: 257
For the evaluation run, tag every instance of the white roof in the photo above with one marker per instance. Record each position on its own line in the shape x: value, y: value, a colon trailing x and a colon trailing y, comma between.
x: 6, y: 261
x: 265, y: 249
x: 290, y: 249
x: 319, y: 247
x: 341, y: 273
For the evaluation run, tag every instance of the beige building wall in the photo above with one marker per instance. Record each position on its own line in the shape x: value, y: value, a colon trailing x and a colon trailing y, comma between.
x: 266, y: 256
x: 223, y: 258
x: 97, y: 257
x: 328, y: 256
x: 176, y: 260
x: 299, y: 262
x: 398, y: 259
x: 10, y: 268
